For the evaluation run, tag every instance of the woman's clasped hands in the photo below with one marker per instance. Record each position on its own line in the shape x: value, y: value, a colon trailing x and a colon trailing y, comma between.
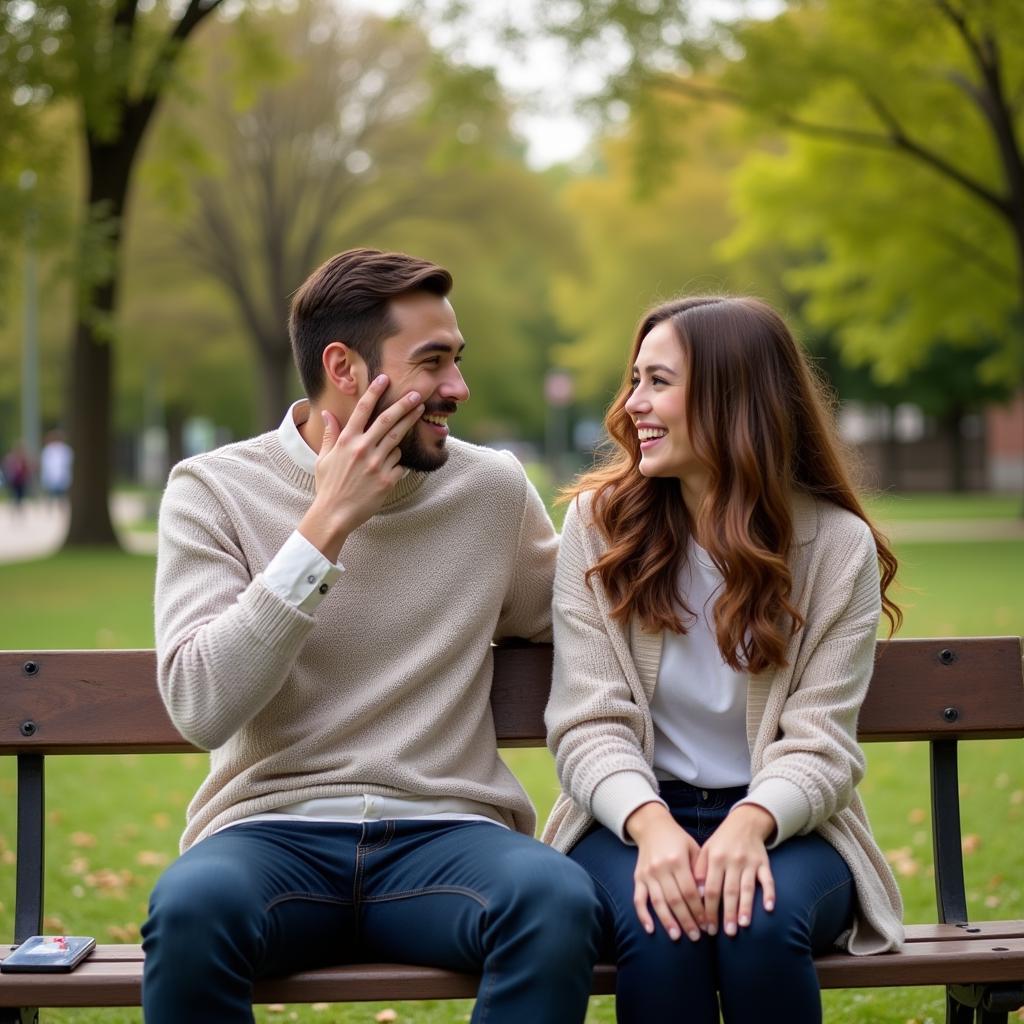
x: 691, y: 888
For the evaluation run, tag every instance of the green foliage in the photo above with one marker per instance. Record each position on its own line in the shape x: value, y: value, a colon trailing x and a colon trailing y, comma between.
x: 643, y: 248
x: 360, y: 134
x: 894, y: 205
x: 887, y: 217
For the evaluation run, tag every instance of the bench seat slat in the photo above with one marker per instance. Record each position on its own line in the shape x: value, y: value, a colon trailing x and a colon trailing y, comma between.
x: 107, y: 701
x: 112, y: 976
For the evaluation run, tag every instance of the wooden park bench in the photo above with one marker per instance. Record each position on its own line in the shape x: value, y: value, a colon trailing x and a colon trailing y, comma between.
x: 938, y: 691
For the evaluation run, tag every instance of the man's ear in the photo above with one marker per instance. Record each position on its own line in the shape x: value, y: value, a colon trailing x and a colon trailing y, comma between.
x: 344, y: 369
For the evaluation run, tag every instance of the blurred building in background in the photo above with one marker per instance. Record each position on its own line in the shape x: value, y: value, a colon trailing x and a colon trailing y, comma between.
x: 903, y: 449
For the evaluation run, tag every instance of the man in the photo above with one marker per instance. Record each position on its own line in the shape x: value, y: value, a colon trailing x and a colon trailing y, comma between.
x: 326, y: 599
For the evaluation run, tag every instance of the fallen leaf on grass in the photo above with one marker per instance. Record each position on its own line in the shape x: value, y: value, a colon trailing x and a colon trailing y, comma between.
x: 320, y: 1007
x: 54, y: 817
x: 385, y: 1016
x: 151, y: 859
x: 7, y: 857
x: 83, y: 839
x: 108, y: 879
x: 992, y: 901
x: 54, y: 925
x: 1002, y: 780
x: 124, y: 932
x: 917, y: 815
x: 970, y: 843
x: 163, y: 820
x: 275, y: 1007
x: 78, y: 866
x: 903, y: 861
x: 1017, y: 796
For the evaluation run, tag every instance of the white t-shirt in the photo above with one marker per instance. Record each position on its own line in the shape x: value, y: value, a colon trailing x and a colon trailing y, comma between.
x: 700, y: 704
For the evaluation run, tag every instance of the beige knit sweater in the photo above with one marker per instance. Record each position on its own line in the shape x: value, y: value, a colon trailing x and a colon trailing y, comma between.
x: 801, y: 719
x: 386, y: 688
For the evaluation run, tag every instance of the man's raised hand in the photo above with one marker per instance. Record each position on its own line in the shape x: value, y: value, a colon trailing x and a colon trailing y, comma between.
x: 358, y: 464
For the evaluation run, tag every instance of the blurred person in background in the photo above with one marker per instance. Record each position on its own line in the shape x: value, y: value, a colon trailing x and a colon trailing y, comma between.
x: 717, y: 599
x: 56, y: 463
x: 17, y: 473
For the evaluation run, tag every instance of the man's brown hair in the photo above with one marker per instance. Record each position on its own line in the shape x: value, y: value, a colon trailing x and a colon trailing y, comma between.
x: 347, y: 299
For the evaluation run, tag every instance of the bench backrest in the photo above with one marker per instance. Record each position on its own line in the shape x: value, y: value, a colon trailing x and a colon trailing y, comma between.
x: 65, y: 702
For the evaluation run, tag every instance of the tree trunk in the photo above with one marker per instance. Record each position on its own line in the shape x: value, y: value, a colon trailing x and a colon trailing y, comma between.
x: 92, y: 358
x: 950, y: 425
x: 275, y: 381
x: 892, y: 464
x: 174, y: 418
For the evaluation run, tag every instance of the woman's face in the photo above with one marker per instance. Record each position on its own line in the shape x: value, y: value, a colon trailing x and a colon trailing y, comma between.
x: 657, y: 406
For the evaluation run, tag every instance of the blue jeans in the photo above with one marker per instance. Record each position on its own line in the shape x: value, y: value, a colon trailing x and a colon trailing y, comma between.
x: 766, y: 972
x: 268, y: 898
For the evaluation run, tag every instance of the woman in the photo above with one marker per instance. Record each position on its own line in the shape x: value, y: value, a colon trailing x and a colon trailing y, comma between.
x: 716, y: 607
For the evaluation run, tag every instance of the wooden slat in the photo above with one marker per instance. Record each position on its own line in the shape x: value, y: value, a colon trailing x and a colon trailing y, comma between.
x: 112, y: 976
x: 107, y: 702
x: 912, y: 687
x: 960, y: 962
x: 957, y: 932
x: 84, y: 702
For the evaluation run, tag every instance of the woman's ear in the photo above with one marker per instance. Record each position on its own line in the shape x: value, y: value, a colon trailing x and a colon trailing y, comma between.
x: 344, y: 370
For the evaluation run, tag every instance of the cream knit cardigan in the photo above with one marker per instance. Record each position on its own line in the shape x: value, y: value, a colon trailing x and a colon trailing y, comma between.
x: 801, y: 719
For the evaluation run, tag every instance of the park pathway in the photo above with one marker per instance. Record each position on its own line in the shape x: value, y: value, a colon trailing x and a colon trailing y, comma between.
x: 38, y: 528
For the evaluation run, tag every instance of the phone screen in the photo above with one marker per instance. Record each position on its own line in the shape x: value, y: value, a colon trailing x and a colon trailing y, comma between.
x: 49, y: 953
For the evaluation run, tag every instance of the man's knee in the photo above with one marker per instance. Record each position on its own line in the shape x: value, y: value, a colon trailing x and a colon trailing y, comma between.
x: 199, y: 897
x: 555, y: 895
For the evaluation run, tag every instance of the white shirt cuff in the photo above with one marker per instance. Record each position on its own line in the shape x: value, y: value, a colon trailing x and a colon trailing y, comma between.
x: 617, y: 797
x: 300, y: 574
x: 785, y: 802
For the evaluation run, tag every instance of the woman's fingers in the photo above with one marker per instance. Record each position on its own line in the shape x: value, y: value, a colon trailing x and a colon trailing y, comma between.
x: 640, y: 896
x: 673, y: 910
x: 748, y: 883
x: 712, y: 894
x: 764, y: 876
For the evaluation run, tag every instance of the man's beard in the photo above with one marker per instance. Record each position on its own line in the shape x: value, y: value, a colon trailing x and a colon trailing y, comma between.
x: 415, y: 454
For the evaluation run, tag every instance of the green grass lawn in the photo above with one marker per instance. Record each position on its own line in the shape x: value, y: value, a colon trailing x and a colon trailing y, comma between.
x: 113, y: 822
x: 899, y: 507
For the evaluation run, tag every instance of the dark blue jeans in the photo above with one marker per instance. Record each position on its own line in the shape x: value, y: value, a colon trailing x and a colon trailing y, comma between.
x: 766, y: 972
x: 267, y: 898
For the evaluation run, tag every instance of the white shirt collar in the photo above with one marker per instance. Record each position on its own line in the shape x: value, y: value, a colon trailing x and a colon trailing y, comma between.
x: 292, y: 441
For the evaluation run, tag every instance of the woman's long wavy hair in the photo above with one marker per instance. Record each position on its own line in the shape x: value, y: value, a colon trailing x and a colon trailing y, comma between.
x: 760, y: 423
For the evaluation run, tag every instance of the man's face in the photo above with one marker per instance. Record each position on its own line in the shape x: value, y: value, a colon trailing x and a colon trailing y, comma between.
x: 424, y: 356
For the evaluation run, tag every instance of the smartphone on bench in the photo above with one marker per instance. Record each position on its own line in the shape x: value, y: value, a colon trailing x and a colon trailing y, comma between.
x: 51, y: 953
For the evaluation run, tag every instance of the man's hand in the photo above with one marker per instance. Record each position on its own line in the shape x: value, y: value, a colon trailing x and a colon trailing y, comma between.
x: 664, y: 872
x: 730, y: 865
x: 357, y: 466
